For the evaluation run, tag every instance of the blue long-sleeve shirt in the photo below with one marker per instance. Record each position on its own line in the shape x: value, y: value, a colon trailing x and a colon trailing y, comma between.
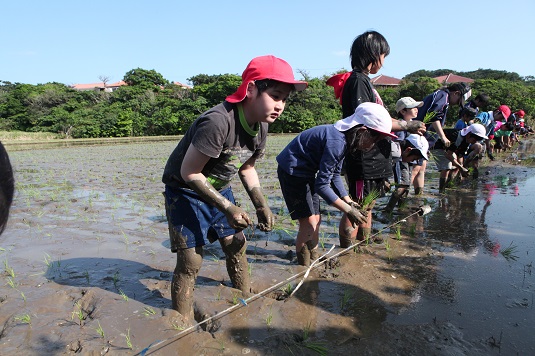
x: 317, y: 152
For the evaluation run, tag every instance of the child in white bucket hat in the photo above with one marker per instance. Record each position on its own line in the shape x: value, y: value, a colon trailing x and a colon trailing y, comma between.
x: 309, y: 167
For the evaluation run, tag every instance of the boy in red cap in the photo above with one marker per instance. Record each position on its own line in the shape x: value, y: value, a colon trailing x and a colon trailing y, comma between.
x: 223, y: 142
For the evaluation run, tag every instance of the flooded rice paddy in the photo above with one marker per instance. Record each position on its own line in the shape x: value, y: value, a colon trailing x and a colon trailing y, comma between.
x: 86, y: 267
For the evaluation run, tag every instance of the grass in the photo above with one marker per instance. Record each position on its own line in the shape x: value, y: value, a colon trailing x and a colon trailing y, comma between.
x: 269, y: 317
x: 148, y: 311
x: 128, y: 339
x: 27, y: 136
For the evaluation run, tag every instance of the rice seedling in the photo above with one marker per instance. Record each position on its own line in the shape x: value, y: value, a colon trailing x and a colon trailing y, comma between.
x: 100, y: 331
x: 412, y: 230
x: 250, y: 269
x: 86, y: 275
x: 11, y: 283
x: 24, y: 318
x: 9, y: 270
x: 509, y: 252
x: 369, y: 199
x: 346, y: 297
x: 123, y: 295
x: 288, y: 289
x: 235, y: 297
x: 177, y: 327
x: 429, y: 116
x: 128, y: 339
x: 398, y: 233
x: 148, y: 311
x: 79, y: 314
x: 116, y: 279
x: 269, y: 317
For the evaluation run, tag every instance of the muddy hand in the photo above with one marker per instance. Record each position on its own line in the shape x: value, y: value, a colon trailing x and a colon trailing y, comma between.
x: 237, y: 217
x: 416, y: 127
x: 266, y: 219
x: 355, y: 216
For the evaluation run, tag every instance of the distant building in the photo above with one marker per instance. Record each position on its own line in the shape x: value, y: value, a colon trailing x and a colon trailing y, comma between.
x: 99, y: 86
x: 111, y: 87
x: 383, y: 81
x: 453, y: 78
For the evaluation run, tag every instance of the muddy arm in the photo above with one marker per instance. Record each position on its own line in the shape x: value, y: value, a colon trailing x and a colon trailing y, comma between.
x: 251, y: 183
x: 194, y: 162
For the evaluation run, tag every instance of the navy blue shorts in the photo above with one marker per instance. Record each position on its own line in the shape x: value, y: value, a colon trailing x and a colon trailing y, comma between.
x: 301, y: 199
x: 192, y: 222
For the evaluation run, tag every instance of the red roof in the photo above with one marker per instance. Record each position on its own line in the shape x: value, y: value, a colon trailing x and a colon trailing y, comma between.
x: 453, y: 78
x: 385, y: 80
x: 100, y: 85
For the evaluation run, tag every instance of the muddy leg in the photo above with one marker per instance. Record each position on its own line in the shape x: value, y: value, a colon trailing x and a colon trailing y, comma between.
x: 303, y: 256
x: 188, y: 264
x: 364, y: 233
x: 313, y: 248
x: 237, y: 265
x: 442, y: 185
x: 346, y: 232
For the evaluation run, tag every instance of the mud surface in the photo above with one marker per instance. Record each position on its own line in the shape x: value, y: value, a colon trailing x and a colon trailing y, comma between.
x: 87, y: 269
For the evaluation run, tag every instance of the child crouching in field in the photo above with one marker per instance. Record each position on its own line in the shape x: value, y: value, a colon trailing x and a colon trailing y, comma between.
x: 309, y: 168
x: 223, y: 142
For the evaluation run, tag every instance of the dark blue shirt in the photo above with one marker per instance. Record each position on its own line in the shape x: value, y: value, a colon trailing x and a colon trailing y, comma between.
x: 437, y: 102
x: 317, y: 152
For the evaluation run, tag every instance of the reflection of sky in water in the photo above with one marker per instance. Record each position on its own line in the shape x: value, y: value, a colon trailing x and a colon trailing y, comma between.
x: 477, y: 288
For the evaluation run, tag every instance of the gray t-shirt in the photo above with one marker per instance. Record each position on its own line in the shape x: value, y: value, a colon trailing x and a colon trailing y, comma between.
x: 219, y: 134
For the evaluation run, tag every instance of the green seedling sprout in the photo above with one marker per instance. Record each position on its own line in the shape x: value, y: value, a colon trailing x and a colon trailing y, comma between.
x: 125, y: 297
x: 269, y: 317
x: 509, y: 252
x: 148, y: 311
x: 100, y: 331
x: 128, y: 340
x: 24, y: 318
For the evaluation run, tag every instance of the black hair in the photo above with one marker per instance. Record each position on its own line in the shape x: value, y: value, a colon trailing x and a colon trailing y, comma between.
x: 468, y: 111
x: 7, y: 187
x: 367, y: 48
x: 352, y: 137
x: 509, y: 126
x: 483, y: 99
x: 264, y: 84
x: 461, y: 87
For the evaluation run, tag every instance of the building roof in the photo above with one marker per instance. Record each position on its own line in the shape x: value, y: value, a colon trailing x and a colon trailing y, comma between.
x: 385, y: 80
x: 100, y: 85
x: 453, y: 78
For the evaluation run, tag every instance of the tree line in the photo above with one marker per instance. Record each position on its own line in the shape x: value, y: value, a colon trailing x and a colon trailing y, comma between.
x: 150, y: 105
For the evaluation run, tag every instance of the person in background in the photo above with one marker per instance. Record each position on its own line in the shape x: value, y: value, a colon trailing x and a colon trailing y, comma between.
x: 450, y: 157
x: 366, y: 171
x: 310, y: 167
x: 433, y: 113
x: 7, y: 187
x: 489, y: 119
x: 407, y: 110
x: 223, y: 142
x: 467, y: 116
x: 480, y: 102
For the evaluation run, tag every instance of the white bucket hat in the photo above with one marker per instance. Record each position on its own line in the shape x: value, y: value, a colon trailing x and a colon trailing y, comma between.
x: 476, y: 129
x: 420, y: 143
x: 371, y: 115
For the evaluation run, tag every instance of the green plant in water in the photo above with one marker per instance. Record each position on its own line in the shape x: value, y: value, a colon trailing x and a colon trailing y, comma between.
x: 346, y: 297
x: 412, y: 230
x: 128, y: 340
x: 269, y: 317
x: 116, y: 279
x: 235, y: 297
x: 398, y: 233
x: 100, y: 331
x: 148, y: 311
x: 288, y: 289
x: 24, y: 318
x: 79, y: 314
x: 509, y: 252
x: 125, y: 297
x: 9, y: 271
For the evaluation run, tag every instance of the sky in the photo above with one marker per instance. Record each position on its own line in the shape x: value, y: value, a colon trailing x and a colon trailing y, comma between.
x: 70, y: 42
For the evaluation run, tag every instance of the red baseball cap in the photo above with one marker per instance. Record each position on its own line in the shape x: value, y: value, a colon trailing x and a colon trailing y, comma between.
x: 506, y: 112
x: 265, y: 67
x: 520, y: 113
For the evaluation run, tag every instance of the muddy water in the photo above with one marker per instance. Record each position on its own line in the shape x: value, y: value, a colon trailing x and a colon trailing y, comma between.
x: 87, y: 268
